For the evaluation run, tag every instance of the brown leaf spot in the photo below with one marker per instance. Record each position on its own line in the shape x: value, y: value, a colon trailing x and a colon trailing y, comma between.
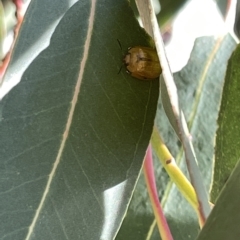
x: 168, y: 161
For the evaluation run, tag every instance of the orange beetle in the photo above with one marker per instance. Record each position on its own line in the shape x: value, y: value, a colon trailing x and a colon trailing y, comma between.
x: 142, y: 63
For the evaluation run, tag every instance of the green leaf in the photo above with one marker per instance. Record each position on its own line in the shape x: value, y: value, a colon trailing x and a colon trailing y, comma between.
x: 169, y: 9
x: 223, y: 6
x: 199, y: 88
x: 3, y: 30
x: 227, y: 141
x: 223, y: 221
x: 237, y: 20
x: 74, y: 132
x: 39, y: 23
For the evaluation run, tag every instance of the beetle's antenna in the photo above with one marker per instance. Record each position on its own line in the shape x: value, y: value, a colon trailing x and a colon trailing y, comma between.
x: 119, y: 44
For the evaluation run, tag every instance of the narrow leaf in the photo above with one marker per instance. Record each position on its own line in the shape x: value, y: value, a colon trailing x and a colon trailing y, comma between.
x: 228, y: 141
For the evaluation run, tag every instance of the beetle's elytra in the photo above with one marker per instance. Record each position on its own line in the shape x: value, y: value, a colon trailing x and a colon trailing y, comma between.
x: 143, y: 63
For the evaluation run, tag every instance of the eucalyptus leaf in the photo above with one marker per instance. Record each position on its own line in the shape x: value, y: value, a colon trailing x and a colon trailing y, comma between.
x: 39, y: 23
x: 223, y: 6
x: 74, y: 132
x: 237, y: 20
x: 169, y: 9
x: 223, y: 221
x: 228, y: 141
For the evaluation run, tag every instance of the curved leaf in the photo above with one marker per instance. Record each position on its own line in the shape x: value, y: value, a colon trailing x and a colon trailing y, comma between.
x: 223, y: 221
x: 39, y: 23
x: 73, y: 131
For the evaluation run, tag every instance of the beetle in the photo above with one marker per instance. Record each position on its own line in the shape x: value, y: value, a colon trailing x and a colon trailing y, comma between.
x: 142, y: 63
